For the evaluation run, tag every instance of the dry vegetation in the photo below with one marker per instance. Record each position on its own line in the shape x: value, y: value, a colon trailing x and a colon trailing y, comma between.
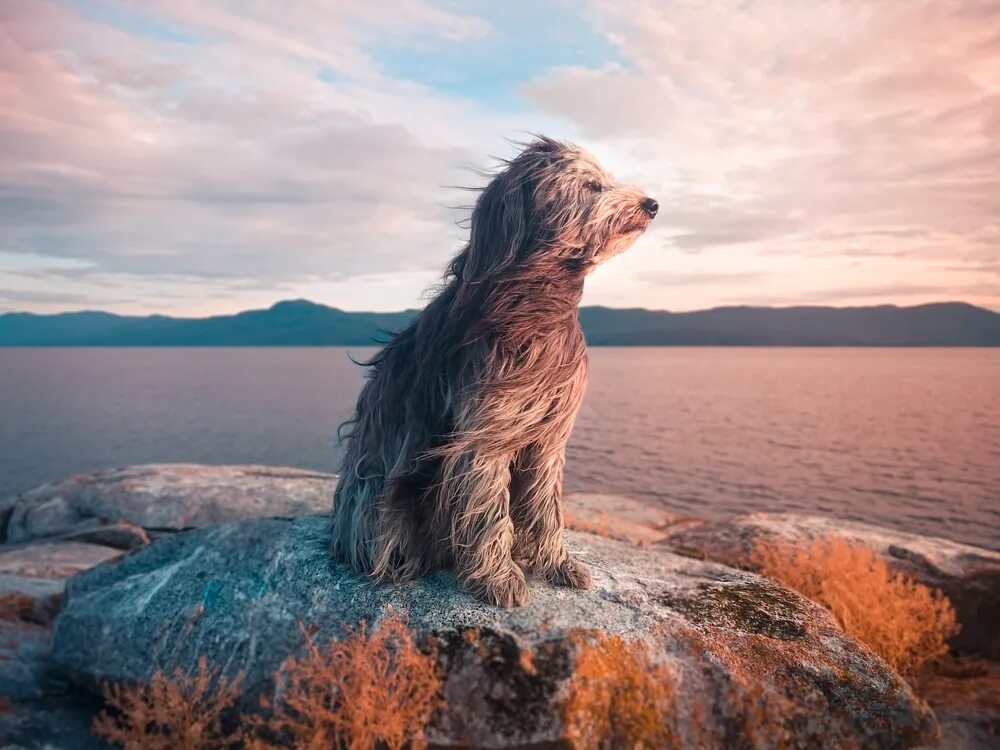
x: 618, y: 697
x: 621, y: 699
x: 905, y: 622
x: 367, y: 690
x: 380, y: 689
x: 364, y: 691
x: 175, y: 712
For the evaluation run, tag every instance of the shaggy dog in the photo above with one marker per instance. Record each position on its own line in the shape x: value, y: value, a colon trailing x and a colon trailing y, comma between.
x: 456, y: 449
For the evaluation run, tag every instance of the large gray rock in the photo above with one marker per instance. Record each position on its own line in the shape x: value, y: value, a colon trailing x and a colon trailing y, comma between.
x: 24, y: 653
x: 236, y: 593
x: 162, y: 498
x: 55, y: 722
x: 969, y: 576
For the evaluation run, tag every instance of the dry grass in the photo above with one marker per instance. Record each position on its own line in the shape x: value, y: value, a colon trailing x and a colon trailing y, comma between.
x: 618, y: 697
x: 905, y: 622
x: 176, y: 712
x: 367, y: 690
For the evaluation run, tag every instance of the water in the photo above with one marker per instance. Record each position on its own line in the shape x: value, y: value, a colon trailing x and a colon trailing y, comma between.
x: 907, y: 438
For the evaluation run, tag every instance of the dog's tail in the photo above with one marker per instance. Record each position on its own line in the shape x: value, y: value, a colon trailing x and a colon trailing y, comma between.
x: 375, y: 527
x: 354, y: 520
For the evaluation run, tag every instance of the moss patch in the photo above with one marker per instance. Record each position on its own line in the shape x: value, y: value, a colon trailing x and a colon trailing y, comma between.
x: 519, y: 685
x: 750, y: 607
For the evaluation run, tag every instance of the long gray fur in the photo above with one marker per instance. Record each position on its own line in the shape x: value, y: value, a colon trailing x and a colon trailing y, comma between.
x: 455, y: 452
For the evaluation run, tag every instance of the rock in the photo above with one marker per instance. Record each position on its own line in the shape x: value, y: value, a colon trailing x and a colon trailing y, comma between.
x: 38, y: 572
x: 968, y: 728
x: 38, y: 708
x: 60, y: 722
x: 24, y: 653
x: 236, y: 594
x: 118, y: 534
x: 53, y: 560
x: 965, y: 695
x: 616, y: 517
x: 6, y: 508
x: 165, y: 497
x: 969, y: 576
x: 36, y: 599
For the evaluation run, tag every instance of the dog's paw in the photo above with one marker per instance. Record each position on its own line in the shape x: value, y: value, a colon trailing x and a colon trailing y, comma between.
x: 570, y: 572
x: 508, y: 591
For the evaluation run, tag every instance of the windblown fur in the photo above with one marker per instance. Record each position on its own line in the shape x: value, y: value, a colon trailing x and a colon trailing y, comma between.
x: 455, y: 452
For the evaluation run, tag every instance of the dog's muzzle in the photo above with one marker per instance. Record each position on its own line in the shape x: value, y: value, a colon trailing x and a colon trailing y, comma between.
x: 650, y: 206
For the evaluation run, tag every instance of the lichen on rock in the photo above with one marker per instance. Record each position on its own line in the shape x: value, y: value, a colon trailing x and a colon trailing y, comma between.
x: 236, y: 593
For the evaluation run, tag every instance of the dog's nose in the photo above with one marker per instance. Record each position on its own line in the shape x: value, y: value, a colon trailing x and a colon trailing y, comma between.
x: 650, y: 206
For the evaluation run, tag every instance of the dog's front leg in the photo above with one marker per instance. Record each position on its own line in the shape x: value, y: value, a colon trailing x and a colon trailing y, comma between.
x: 538, y: 519
x: 482, y: 533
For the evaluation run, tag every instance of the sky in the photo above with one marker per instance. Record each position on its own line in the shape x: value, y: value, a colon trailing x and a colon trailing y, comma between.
x: 193, y: 158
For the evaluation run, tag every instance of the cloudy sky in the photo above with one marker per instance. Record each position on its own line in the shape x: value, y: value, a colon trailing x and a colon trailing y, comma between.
x: 197, y: 157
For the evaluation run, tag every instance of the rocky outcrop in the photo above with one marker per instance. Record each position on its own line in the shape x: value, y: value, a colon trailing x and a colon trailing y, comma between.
x: 968, y: 576
x: 965, y: 694
x: 36, y: 573
x: 24, y: 650
x: 617, y: 516
x: 236, y: 593
x: 707, y: 621
x: 128, y: 504
x: 50, y: 533
x: 123, y: 508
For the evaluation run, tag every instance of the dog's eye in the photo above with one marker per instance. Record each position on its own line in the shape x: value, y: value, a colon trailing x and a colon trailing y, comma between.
x: 595, y: 186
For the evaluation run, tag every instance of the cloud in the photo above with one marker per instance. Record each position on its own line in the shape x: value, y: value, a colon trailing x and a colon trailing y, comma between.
x: 826, y: 128
x: 181, y: 154
x: 872, y: 294
x: 225, y: 155
x: 696, y: 278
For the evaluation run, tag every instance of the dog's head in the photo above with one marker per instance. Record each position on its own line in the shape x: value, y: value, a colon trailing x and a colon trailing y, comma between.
x: 553, y: 200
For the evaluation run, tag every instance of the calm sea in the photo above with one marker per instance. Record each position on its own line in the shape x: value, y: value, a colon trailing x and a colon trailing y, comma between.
x: 908, y: 438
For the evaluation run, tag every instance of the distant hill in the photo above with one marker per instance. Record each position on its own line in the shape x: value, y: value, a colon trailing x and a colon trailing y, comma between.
x: 303, y: 323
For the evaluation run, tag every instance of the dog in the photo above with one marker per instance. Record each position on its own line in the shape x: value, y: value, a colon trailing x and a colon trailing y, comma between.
x: 455, y: 452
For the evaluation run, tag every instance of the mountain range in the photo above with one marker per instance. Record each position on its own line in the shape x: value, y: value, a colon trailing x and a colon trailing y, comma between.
x: 304, y: 323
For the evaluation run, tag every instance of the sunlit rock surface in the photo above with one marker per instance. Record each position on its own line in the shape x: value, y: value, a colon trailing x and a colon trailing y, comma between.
x: 160, y: 498
x: 65, y: 527
x: 37, y: 573
x: 235, y: 593
x: 968, y: 576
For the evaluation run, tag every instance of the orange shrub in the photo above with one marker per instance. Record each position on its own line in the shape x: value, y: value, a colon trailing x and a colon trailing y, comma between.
x: 904, y: 622
x: 618, y: 697
x: 179, y: 712
x: 367, y: 690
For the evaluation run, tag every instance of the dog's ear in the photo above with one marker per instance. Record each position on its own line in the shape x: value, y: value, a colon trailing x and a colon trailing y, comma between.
x: 500, y: 226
